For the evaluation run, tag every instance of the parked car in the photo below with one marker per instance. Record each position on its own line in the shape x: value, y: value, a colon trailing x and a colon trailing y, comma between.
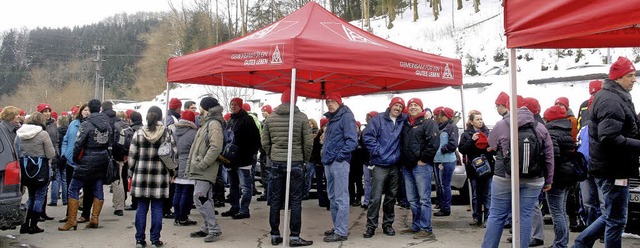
x: 633, y: 216
x: 12, y: 211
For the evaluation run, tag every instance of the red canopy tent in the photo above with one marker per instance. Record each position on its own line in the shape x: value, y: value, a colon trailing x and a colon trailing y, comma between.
x: 329, y: 54
x: 563, y: 24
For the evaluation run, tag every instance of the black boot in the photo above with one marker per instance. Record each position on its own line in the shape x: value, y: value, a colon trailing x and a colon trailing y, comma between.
x: 25, y: 227
x: 34, y: 223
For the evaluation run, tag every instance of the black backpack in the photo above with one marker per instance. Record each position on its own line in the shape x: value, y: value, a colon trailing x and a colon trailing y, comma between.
x: 532, y: 157
x: 122, y: 135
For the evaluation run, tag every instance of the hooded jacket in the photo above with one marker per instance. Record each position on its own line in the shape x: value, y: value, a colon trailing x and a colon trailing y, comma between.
x: 448, y: 144
x: 468, y: 148
x: 185, y: 132
x: 246, y: 137
x: 34, y: 142
x: 563, y: 145
x: 202, y: 163
x: 66, y: 147
x: 275, y: 135
x: 499, y: 140
x: 340, y: 137
x: 382, y: 139
x: 420, y: 141
x: 614, y: 133
x: 149, y: 177
x: 90, y: 151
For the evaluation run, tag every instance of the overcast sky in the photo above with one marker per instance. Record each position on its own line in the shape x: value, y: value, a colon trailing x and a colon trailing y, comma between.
x: 60, y: 13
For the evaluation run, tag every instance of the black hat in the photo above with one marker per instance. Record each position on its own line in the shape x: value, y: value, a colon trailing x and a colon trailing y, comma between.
x: 208, y: 102
x: 94, y: 105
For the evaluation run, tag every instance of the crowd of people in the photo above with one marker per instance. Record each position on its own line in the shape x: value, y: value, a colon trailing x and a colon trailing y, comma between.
x: 398, y: 154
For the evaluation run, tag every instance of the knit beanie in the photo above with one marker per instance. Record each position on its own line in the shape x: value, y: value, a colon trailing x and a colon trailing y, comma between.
x: 415, y: 100
x: 208, y: 103
x: 502, y: 99
x: 555, y: 112
x: 562, y: 101
x: 238, y: 101
x: 448, y: 112
x: 323, y: 122
x: 43, y: 106
x: 267, y: 108
x: 532, y: 104
x: 188, y: 115
x: 246, y: 107
x: 175, y: 103
x: 372, y: 113
x: 595, y: 86
x: 621, y: 67
x: 395, y: 100
x: 336, y: 97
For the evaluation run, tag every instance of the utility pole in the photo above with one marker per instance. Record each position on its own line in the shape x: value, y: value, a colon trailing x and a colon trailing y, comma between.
x: 98, y: 63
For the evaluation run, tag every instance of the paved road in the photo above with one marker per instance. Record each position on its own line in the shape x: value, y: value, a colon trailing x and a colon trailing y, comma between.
x: 115, y: 231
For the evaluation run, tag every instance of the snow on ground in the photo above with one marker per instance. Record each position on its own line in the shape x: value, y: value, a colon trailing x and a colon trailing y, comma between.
x: 480, y: 35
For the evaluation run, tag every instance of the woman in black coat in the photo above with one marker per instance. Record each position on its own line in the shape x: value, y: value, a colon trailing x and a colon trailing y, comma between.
x: 473, y: 144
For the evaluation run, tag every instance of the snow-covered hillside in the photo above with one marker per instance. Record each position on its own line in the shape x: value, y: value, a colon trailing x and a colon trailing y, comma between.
x: 477, y: 37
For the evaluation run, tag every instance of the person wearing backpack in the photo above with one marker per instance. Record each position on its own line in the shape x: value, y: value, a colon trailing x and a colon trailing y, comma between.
x: 203, y: 165
x: 537, y: 176
x: 614, y: 146
x: 563, y: 175
x: 118, y: 153
x: 33, y: 142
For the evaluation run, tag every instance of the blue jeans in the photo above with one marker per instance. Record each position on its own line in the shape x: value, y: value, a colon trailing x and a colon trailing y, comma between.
x: 338, y: 192
x: 384, y: 180
x: 501, y: 208
x: 58, y: 185
x: 309, y: 171
x: 557, y: 200
x: 366, y: 184
x: 592, y: 199
x: 37, y: 195
x: 240, y: 190
x: 481, y: 189
x: 445, y: 174
x: 182, y: 201
x: 612, y: 221
x: 277, y: 182
x: 141, y: 218
x: 77, y: 184
x: 417, y: 182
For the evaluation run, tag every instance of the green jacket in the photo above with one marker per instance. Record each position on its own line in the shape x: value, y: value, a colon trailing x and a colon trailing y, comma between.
x: 275, y: 135
x: 202, y: 163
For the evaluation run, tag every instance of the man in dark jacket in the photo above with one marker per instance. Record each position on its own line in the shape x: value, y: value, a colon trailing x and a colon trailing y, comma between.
x: 90, y: 153
x: 382, y: 139
x: 247, y: 138
x: 275, y: 140
x: 419, y: 145
x: 340, y: 139
x: 614, y: 145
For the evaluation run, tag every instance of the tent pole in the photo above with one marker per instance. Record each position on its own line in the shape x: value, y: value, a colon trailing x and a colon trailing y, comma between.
x: 285, y: 226
x: 166, y: 104
x: 464, y: 127
x: 515, y: 169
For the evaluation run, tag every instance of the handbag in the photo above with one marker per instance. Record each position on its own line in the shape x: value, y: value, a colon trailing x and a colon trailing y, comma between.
x: 165, y: 152
x: 34, y: 170
x: 230, y: 149
x: 113, y: 174
x: 481, y: 164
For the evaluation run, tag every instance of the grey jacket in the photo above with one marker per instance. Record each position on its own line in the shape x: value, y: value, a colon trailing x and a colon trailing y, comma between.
x: 34, y: 142
x: 202, y: 163
x: 185, y: 133
x: 275, y: 135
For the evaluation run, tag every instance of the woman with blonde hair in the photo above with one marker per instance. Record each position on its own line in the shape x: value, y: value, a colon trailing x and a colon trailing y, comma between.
x: 10, y: 117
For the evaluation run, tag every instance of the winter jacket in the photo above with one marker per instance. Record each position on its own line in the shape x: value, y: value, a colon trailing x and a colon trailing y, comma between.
x: 316, y: 152
x: 446, y: 152
x: 202, y: 163
x: 275, y: 135
x: 340, y: 137
x: 574, y: 124
x: 67, y: 145
x: 419, y: 141
x: 34, y: 142
x: 583, y: 115
x: 111, y: 115
x: 360, y: 155
x: 614, y: 133
x: 499, y: 140
x: 172, y: 117
x: 246, y: 137
x: 90, y: 151
x: 563, y: 145
x: 10, y: 128
x: 52, y: 129
x: 382, y: 139
x: 468, y: 148
x: 149, y: 177
x: 185, y: 134
x: 258, y: 123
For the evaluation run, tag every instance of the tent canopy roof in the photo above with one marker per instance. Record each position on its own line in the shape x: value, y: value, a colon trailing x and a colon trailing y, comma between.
x: 572, y: 24
x: 329, y: 54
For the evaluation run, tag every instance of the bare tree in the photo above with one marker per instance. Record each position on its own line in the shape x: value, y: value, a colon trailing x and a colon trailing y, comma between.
x: 225, y: 94
x: 365, y: 13
x: 436, y: 6
x: 476, y: 5
x: 415, y: 10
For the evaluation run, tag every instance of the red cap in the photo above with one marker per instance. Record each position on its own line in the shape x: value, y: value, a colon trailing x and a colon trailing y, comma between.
x: 286, y: 97
x: 129, y: 112
x: 238, y: 101
x: 227, y: 116
x: 415, y: 100
x: 175, y: 103
x: 519, y: 101
x: 532, y: 104
x: 502, y: 99
x: 188, y: 115
x: 358, y: 124
x: 621, y: 67
x: 395, y: 100
x: 43, y: 106
x: 562, y: 101
x: 246, y: 107
x: 267, y: 108
x: 444, y: 111
x: 482, y: 141
x: 336, y: 97
x: 54, y: 115
x: 74, y: 110
x: 323, y: 122
x: 555, y: 112
x: 23, y: 113
x: 372, y: 113
x: 595, y: 86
